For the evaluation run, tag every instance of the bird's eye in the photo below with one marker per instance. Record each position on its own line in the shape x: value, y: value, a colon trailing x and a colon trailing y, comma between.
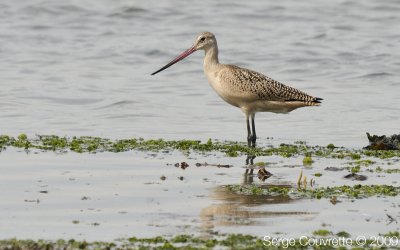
x: 202, y: 39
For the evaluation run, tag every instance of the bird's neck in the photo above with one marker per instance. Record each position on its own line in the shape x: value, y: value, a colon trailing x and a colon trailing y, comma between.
x: 211, y: 58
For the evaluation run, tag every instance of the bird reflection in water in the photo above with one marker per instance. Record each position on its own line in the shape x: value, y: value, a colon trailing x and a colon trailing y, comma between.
x: 262, y: 173
x: 240, y: 209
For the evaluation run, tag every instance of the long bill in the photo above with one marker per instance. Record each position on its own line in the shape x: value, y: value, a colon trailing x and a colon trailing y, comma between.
x: 177, y: 59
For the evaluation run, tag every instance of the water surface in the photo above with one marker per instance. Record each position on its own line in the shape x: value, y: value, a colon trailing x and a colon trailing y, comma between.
x: 107, y: 196
x: 83, y: 68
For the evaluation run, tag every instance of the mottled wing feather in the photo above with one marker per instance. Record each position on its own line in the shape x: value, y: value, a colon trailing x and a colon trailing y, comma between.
x: 266, y: 88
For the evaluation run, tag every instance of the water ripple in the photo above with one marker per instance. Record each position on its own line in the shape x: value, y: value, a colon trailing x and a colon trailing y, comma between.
x: 63, y: 58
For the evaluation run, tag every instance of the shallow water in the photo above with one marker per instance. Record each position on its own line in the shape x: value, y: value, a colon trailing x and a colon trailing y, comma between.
x: 107, y: 196
x: 83, y: 68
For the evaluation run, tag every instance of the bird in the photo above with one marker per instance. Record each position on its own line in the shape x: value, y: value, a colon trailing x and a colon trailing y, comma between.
x: 246, y: 89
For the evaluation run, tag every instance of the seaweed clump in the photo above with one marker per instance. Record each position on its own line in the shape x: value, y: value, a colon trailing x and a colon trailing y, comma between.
x: 91, y: 144
x: 383, y: 142
x: 350, y: 192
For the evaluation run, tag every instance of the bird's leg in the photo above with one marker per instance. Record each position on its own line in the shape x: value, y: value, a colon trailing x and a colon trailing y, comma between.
x: 249, y: 136
x: 253, y: 128
x: 250, y: 159
x: 248, y: 175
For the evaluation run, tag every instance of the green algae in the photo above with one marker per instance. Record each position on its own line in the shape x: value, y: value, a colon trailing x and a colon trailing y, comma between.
x: 322, y: 232
x: 392, y: 234
x: 307, y: 161
x: 59, y: 244
x: 232, y: 241
x: 189, y: 242
x: 343, y: 234
x: 355, y: 156
x: 330, y: 146
x: 261, y: 164
x: 356, y: 191
x: 232, y: 149
x: 355, y: 169
x: 382, y: 154
x: 253, y: 189
x: 22, y: 137
x: 388, y: 171
x: 355, y: 166
x: 365, y: 163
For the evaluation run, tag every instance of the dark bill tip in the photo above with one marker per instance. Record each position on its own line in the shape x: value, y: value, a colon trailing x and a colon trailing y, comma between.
x: 177, y: 59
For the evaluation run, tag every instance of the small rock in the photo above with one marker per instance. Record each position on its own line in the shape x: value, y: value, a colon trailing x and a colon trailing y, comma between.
x: 263, y: 174
x: 335, y: 169
x: 184, y: 165
x: 334, y: 200
x: 357, y: 177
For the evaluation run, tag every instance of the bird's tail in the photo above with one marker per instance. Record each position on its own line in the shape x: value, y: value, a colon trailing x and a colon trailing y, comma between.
x: 316, y: 101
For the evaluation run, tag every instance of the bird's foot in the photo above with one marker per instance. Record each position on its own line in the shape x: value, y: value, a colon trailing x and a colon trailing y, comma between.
x: 251, y: 140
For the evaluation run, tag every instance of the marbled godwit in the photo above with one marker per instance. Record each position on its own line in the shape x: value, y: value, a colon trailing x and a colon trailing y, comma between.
x: 243, y: 88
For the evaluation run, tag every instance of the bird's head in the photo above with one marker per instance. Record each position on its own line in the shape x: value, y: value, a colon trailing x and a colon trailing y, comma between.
x: 203, y: 41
